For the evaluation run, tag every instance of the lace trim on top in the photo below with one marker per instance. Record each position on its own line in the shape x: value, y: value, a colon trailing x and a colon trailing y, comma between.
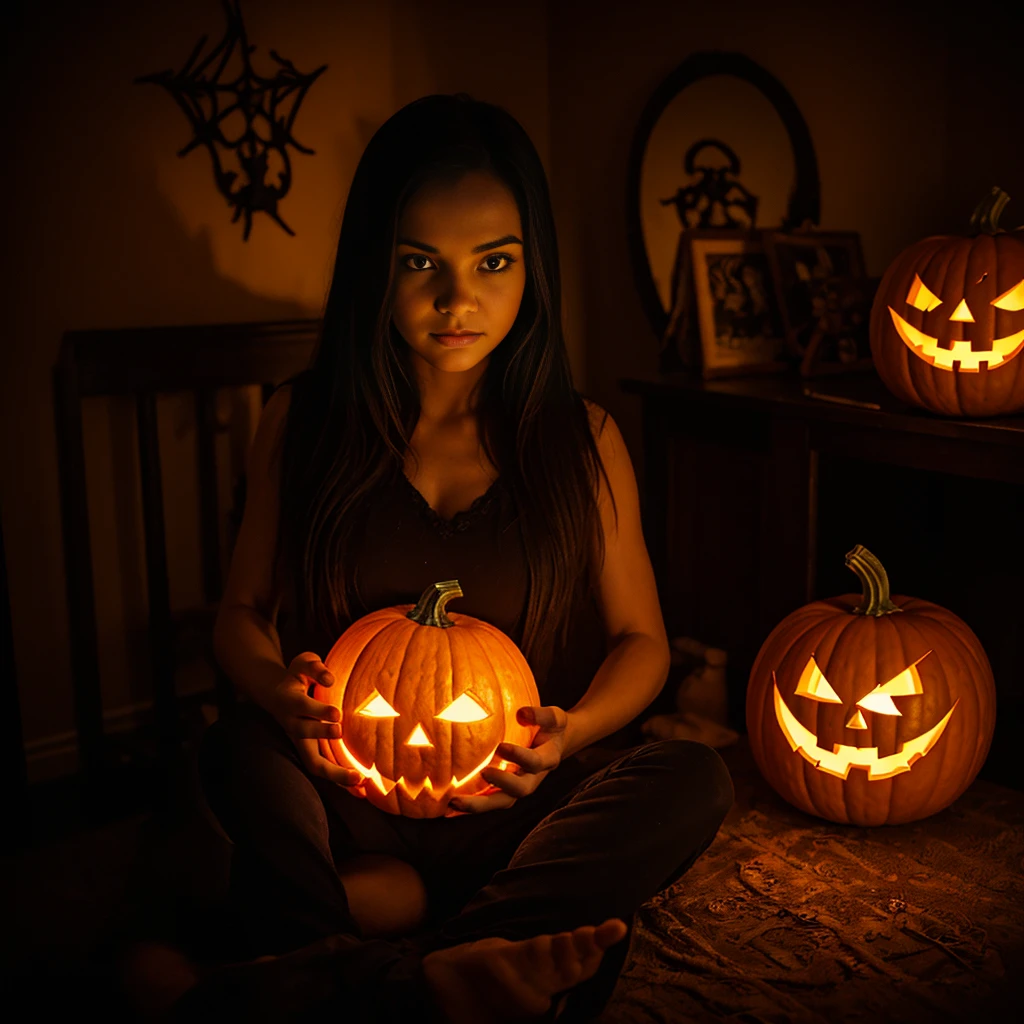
x: 462, y: 520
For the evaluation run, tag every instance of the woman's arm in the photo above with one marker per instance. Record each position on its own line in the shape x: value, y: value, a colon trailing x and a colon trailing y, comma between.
x: 245, y: 639
x: 637, y: 663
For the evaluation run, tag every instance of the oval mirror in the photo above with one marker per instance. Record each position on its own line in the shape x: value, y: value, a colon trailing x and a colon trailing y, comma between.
x: 720, y: 126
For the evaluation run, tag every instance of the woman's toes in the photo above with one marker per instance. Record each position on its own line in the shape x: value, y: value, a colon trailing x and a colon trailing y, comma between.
x: 566, y: 957
x: 609, y: 932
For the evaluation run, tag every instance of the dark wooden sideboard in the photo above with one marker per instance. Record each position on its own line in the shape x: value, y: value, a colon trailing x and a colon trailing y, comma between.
x: 753, y: 491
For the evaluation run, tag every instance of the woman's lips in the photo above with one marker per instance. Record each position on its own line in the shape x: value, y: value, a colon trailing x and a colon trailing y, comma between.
x: 456, y: 340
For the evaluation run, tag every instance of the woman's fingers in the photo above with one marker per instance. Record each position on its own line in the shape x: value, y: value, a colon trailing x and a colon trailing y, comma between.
x: 307, y: 707
x: 342, y: 776
x: 310, y: 665
x: 315, y: 764
x: 310, y: 728
x: 551, y: 718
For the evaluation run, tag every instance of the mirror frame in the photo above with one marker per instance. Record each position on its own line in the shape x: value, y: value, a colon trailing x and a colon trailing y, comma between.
x: 804, y: 199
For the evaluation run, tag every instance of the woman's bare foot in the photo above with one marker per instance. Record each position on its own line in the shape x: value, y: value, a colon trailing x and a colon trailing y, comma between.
x: 153, y: 977
x: 386, y: 896
x: 499, y: 980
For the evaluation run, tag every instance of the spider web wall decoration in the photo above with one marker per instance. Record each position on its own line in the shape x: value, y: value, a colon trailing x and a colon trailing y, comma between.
x: 208, y: 95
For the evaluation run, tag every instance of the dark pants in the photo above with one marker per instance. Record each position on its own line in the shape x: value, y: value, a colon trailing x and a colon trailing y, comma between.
x: 590, y: 843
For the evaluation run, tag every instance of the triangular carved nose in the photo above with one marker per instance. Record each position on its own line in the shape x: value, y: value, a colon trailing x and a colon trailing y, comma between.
x: 962, y: 313
x: 418, y: 738
x: 856, y: 720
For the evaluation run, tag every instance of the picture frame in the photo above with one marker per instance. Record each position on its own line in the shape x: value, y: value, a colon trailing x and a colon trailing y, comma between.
x: 739, y: 323
x: 839, y: 341
x: 798, y: 260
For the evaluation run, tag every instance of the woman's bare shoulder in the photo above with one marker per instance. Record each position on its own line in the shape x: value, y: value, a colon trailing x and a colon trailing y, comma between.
x: 599, y: 418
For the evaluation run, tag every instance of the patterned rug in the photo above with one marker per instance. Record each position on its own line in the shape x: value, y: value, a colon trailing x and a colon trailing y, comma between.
x: 788, y: 918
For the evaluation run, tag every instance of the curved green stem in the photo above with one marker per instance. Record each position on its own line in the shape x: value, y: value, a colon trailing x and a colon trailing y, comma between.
x: 985, y: 219
x: 874, y: 583
x: 429, y: 610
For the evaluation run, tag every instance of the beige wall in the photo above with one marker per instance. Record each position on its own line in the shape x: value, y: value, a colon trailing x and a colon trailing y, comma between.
x: 108, y: 227
x: 913, y: 115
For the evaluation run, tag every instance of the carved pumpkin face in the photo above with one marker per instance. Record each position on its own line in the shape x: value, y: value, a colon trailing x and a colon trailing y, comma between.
x: 944, y: 349
x: 947, y: 325
x: 426, y: 697
x: 870, y: 710
x: 840, y: 757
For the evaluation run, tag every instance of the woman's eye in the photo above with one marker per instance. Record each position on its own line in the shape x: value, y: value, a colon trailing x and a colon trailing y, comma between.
x: 415, y: 256
x: 498, y: 256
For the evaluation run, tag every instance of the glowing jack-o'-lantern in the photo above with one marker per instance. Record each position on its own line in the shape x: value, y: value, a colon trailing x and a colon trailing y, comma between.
x: 871, y: 710
x: 426, y: 697
x: 947, y: 324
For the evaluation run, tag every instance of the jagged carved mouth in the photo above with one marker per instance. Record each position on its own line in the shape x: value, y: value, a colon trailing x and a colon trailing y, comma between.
x: 841, y: 758
x: 412, y: 788
x: 961, y: 356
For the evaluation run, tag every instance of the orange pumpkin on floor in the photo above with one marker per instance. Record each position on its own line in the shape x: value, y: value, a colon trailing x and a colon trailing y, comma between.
x: 871, y: 710
x: 947, y: 324
x: 426, y: 696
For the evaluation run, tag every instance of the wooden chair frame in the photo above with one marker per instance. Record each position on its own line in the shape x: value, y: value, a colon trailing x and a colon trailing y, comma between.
x: 145, y: 362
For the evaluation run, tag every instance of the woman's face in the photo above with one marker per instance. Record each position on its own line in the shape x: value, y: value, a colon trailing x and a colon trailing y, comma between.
x: 458, y: 267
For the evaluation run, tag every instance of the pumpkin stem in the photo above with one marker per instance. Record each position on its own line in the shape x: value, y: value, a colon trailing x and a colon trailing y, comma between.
x: 429, y: 610
x: 874, y: 583
x: 985, y: 219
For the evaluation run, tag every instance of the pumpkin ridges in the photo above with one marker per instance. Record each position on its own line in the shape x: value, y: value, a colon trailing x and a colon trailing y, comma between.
x: 390, y: 654
x: 909, y: 724
x: 417, y: 676
x: 792, y: 642
x: 946, y: 386
x: 859, y: 633
x: 982, y: 697
x: 517, y: 689
x: 940, y: 794
x: 922, y: 786
x: 461, y: 640
x: 1011, y: 379
x: 341, y: 662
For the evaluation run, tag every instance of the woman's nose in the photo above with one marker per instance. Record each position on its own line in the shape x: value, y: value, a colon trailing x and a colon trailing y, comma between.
x: 456, y: 297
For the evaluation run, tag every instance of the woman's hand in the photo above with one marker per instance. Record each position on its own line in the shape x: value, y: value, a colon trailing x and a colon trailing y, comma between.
x: 542, y: 756
x: 307, y: 721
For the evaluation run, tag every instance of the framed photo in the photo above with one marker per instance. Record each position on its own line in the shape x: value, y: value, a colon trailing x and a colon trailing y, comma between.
x: 740, y: 329
x: 840, y: 314
x: 799, y: 262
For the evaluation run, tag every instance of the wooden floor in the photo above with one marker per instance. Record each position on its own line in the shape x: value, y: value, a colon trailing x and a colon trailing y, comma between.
x: 784, y: 918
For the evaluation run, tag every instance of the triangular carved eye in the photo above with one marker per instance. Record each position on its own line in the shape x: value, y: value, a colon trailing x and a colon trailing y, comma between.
x: 1013, y: 299
x: 377, y: 707
x: 920, y: 297
x: 464, y: 709
x: 906, y: 684
x: 814, y: 685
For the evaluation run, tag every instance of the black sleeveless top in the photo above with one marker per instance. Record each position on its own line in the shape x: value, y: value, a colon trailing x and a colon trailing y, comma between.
x: 405, y: 546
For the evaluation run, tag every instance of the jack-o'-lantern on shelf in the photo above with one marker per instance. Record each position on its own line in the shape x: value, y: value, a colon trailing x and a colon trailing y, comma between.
x: 947, y: 323
x: 426, y: 696
x: 871, y: 710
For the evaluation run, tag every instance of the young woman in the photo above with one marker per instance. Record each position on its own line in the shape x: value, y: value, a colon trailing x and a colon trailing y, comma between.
x: 437, y: 435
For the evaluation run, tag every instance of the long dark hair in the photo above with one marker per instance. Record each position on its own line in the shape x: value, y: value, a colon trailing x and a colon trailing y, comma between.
x: 352, y: 413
